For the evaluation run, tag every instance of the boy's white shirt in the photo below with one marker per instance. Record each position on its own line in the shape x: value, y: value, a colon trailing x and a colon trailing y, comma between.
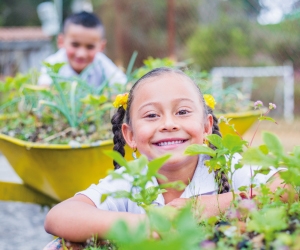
x: 202, y: 183
x: 101, y: 69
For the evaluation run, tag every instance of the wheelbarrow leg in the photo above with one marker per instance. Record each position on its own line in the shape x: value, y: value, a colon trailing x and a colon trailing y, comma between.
x: 10, y: 191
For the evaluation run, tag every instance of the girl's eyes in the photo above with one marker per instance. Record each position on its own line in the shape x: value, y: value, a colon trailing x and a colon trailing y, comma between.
x: 183, y: 112
x: 152, y: 115
x: 180, y: 112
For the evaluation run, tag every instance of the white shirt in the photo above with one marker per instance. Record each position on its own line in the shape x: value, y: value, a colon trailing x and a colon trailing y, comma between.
x: 98, y: 72
x: 203, y: 183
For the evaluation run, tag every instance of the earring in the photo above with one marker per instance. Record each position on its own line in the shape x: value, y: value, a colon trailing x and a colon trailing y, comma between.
x: 205, y: 142
x: 134, y: 154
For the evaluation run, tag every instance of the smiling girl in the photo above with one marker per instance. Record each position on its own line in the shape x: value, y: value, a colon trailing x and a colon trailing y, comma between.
x: 165, y: 113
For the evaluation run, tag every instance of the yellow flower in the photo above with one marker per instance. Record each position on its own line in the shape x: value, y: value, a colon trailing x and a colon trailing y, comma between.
x: 209, y: 101
x: 121, y: 101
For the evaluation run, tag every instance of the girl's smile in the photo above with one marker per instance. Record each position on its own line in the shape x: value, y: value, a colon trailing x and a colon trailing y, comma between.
x: 169, y: 142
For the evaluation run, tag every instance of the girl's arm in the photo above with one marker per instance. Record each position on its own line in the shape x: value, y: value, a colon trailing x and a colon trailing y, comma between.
x: 77, y: 219
x: 213, y: 205
x: 209, y: 205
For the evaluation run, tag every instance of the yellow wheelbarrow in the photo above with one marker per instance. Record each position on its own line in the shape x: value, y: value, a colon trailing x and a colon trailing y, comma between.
x: 52, y: 173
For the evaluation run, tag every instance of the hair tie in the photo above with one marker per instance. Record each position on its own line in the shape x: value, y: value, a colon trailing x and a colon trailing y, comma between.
x: 121, y: 101
x: 209, y: 101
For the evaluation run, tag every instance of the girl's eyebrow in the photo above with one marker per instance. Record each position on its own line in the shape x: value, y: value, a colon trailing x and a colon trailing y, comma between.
x: 147, y: 104
x: 175, y: 100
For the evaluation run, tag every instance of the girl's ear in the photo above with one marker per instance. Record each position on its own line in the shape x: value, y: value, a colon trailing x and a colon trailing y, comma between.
x: 128, y: 135
x: 209, y: 124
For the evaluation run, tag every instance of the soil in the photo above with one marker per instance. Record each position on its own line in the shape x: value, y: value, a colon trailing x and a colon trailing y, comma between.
x: 288, y: 133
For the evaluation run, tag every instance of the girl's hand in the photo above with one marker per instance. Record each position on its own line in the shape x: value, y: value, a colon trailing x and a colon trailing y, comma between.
x: 58, y: 245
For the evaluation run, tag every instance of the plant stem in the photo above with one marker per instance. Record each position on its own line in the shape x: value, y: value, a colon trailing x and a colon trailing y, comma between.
x: 58, y: 134
x: 256, y: 129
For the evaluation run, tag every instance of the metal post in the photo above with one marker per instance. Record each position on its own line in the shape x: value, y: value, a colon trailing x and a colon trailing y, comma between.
x: 59, y: 8
x: 247, y: 87
x: 288, y: 77
x: 217, y: 83
x: 118, y: 32
x: 171, y: 28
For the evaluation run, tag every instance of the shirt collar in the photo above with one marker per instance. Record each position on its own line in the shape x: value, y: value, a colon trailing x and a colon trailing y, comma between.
x: 202, y: 183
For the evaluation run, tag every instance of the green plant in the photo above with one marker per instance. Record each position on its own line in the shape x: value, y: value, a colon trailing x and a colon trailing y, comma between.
x: 67, y: 107
x: 71, y: 111
x: 179, y: 229
x: 139, y: 177
x: 264, y: 221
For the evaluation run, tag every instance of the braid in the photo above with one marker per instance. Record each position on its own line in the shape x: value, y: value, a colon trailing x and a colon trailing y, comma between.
x: 220, y: 177
x: 118, y: 139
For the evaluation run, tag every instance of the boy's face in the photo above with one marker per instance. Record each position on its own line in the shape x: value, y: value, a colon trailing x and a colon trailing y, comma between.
x: 81, y: 44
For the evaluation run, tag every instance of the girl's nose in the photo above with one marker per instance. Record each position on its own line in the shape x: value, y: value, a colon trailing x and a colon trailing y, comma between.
x: 169, y: 124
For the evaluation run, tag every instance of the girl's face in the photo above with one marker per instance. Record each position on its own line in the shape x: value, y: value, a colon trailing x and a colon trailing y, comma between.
x: 167, y: 116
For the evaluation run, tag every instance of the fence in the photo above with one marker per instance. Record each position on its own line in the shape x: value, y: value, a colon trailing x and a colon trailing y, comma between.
x: 286, y: 72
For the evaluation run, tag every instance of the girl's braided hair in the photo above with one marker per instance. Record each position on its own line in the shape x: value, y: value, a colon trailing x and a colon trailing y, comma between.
x: 118, y: 118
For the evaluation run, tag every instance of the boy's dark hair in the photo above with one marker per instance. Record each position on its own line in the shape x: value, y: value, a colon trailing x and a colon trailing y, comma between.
x: 118, y: 118
x: 85, y: 19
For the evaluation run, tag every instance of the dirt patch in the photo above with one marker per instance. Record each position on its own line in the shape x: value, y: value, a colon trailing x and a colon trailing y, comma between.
x: 288, y: 133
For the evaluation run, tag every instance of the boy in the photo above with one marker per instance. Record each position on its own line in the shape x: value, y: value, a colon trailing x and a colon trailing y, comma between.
x: 80, y: 47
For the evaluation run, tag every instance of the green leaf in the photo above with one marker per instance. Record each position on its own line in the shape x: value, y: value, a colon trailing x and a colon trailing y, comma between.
x: 296, y: 152
x: 254, y: 156
x: 291, y: 176
x: 273, y: 143
x: 54, y: 67
x: 264, y: 171
x: 215, y: 140
x: 238, y: 166
x: 213, y: 164
x: 115, y: 175
x: 156, y: 164
x: 266, y: 118
x: 121, y: 194
x: 212, y: 220
x: 264, y: 149
x: 162, y: 177
x: 117, y: 157
x: 103, y: 197
x: 234, y: 143
x: 263, y: 221
x: 94, y: 99
x: 196, y: 149
x: 185, y: 220
x: 159, y: 221
x: 243, y: 188
x: 222, y: 151
x: 137, y: 166
x: 121, y: 233
x: 130, y: 65
x: 177, y: 185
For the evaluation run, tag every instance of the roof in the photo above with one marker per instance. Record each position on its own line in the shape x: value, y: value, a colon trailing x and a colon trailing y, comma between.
x: 20, y: 34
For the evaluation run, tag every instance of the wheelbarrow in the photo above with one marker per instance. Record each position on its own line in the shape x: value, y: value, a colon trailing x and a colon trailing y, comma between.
x: 52, y: 173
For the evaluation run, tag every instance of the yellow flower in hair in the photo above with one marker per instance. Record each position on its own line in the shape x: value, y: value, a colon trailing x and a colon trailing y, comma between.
x: 121, y: 101
x: 209, y: 101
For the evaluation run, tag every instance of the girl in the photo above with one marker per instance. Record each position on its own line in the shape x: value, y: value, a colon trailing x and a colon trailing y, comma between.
x: 164, y: 114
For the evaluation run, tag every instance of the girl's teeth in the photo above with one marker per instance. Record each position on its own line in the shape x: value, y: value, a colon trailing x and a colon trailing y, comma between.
x: 169, y: 143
